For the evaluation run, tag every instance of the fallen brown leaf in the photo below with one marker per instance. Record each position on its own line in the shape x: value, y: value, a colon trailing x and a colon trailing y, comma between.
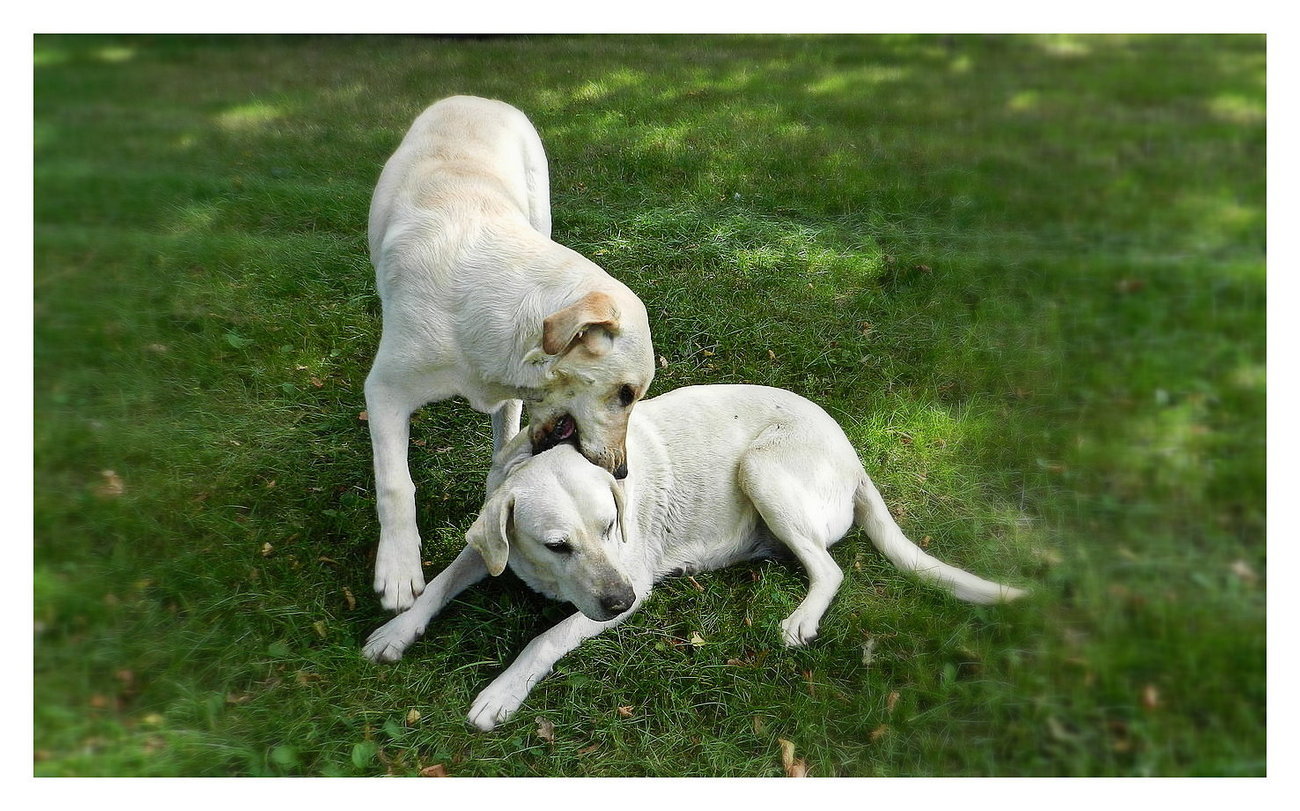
x: 794, y: 767
x: 545, y: 730
x: 412, y: 716
x: 1151, y: 697
x: 1129, y: 285
x: 625, y: 711
x: 695, y: 583
x: 891, y: 702
x: 111, y: 486
x: 350, y: 598
x: 267, y: 550
x: 879, y: 732
x: 436, y: 770
x: 1243, y: 570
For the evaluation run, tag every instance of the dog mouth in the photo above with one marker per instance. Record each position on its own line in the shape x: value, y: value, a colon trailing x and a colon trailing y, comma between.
x: 563, y: 430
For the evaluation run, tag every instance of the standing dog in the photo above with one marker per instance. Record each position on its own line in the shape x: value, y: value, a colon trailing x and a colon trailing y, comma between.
x: 478, y: 302
x: 723, y: 474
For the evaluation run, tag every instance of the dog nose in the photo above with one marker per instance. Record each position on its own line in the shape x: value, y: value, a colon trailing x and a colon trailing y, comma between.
x: 620, y: 472
x: 616, y: 604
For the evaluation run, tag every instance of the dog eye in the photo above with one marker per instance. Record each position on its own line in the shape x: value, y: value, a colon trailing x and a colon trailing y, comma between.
x: 626, y: 395
x: 560, y: 547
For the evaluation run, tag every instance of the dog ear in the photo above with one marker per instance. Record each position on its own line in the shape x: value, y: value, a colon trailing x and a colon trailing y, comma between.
x: 489, y: 534
x: 620, y: 509
x: 563, y: 329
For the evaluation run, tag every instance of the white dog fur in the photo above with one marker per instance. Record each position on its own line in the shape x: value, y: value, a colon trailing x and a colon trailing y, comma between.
x: 718, y: 475
x: 479, y: 302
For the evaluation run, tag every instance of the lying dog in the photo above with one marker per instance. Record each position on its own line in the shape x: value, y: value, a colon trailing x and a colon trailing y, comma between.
x: 720, y: 474
x: 478, y: 302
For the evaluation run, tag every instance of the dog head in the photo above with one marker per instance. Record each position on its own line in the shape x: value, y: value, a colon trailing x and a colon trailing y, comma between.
x: 559, y: 522
x: 601, y: 363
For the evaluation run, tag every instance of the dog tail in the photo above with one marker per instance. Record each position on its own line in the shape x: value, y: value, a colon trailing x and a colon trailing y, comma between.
x: 870, y: 513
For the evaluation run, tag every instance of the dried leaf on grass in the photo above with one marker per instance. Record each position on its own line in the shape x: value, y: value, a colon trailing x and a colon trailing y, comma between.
x: 545, y: 730
x: 412, y: 716
x: 1243, y: 570
x: 868, y: 651
x: 794, y: 767
x: 111, y: 486
x: 436, y: 770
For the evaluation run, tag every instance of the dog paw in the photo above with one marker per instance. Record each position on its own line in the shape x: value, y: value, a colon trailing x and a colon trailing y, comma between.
x: 494, y: 706
x: 799, y: 629
x: 390, y: 640
x: 398, y: 576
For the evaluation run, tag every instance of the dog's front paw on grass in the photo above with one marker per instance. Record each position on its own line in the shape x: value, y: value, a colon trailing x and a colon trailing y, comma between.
x: 398, y: 576
x: 390, y: 641
x: 798, y: 629
x: 494, y: 706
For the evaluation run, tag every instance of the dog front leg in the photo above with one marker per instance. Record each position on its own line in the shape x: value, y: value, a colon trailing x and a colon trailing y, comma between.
x: 390, y: 640
x: 507, y: 692
x: 398, y: 576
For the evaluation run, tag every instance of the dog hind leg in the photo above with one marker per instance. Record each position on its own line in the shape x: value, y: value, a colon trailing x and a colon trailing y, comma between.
x: 538, y: 183
x: 793, y: 511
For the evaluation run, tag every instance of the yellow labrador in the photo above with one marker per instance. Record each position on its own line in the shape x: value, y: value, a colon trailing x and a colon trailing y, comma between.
x: 479, y: 302
x: 722, y: 474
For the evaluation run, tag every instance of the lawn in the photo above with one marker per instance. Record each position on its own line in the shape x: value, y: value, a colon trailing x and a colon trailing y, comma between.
x: 1026, y: 273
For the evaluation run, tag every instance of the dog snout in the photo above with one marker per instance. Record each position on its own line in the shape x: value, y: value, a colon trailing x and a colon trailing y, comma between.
x: 620, y: 472
x: 616, y: 602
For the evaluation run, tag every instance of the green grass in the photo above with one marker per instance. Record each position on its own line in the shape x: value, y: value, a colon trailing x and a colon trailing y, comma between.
x: 1026, y: 273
